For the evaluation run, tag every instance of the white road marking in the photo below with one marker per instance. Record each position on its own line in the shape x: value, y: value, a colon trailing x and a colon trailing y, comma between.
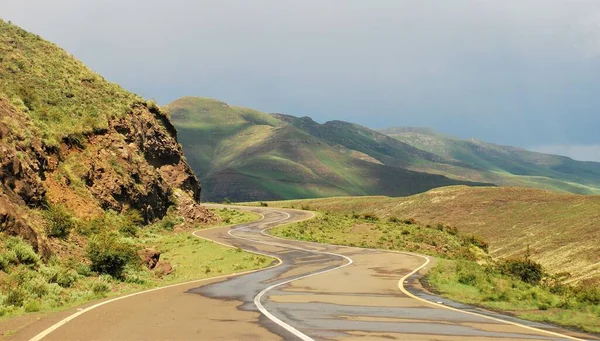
x: 257, y: 298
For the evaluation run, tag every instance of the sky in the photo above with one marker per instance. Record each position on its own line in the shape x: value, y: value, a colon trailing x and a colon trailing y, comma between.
x: 517, y: 72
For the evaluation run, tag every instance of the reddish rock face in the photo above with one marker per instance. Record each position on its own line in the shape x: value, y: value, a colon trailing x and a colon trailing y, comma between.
x: 135, y: 163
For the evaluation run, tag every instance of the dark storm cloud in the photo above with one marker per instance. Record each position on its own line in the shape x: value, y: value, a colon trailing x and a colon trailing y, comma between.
x: 516, y: 72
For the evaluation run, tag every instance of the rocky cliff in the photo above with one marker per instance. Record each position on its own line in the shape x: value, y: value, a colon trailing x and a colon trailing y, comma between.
x: 70, y: 138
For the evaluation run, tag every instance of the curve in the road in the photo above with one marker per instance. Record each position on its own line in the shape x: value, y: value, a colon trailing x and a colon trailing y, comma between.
x: 400, y: 286
x: 257, y: 299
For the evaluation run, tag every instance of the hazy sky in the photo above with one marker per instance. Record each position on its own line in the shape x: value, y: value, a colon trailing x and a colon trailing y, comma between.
x: 523, y: 73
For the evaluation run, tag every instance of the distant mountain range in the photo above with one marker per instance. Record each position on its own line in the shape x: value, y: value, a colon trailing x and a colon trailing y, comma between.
x: 243, y: 154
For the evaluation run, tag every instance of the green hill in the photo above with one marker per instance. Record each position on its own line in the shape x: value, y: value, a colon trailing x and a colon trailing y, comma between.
x: 502, y: 165
x: 242, y: 154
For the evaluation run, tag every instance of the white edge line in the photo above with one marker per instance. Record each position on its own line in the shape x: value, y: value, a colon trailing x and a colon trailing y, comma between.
x: 257, y: 298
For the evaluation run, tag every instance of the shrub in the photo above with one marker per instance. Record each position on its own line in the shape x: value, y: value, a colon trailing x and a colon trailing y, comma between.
x: 109, y: 255
x: 477, y: 241
x: 589, y: 294
x: 525, y: 269
x: 100, y: 286
x: 129, y: 222
x: 19, y: 252
x: 393, y: 219
x: 32, y: 306
x: 15, y: 297
x: 264, y: 204
x: 169, y: 222
x: 83, y: 270
x: 370, y: 216
x: 60, y: 222
x: 410, y: 221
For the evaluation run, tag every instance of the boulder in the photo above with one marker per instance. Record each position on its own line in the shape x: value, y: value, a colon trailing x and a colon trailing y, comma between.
x: 163, y: 268
x: 150, y: 257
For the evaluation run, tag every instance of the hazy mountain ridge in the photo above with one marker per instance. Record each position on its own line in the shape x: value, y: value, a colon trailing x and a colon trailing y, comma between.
x: 280, y: 156
x: 242, y: 154
x: 506, y: 165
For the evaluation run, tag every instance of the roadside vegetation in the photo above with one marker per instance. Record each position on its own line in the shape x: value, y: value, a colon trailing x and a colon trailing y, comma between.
x: 370, y: 231
x: 109, y: 265
x: 464, y: 271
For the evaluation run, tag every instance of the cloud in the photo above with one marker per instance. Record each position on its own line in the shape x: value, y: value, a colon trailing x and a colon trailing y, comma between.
x: 576, y: 152
x: 511, y: 72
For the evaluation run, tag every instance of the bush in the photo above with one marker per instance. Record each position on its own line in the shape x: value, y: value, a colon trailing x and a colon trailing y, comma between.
x: 18, y: 252
x: 264, y: 204
x: 15, y: 297
x: 126, y: 223
x: 589, y: 294
x: 101, y: 286
x: 370, y: 216
x: 525, y: 269
x: 60, y: 222
x: 169, y: 222
x: 393, y: 219
x: 129, y: 222
x: 109, y: 255
x: 32, y: 306
x: 478, y: 241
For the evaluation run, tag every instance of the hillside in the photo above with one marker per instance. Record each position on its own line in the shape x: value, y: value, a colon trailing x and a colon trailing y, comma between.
x: 242, y: 154
x: 79, y: 156
x: 503, y: 165
x: 562, y: 230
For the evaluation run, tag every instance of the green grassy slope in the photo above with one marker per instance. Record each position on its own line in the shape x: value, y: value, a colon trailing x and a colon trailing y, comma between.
x: 242, y: 154
x: 503, y: 165
x: 59, y: 94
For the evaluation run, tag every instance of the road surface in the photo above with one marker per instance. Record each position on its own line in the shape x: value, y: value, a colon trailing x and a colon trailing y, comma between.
x: 312, y: 292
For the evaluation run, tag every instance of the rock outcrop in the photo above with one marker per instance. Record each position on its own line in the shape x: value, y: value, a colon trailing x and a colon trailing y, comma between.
x: 69, y: 137
x: 135, y: 163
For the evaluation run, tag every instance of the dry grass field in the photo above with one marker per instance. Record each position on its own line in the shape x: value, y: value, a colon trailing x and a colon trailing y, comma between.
x: 561, y: 230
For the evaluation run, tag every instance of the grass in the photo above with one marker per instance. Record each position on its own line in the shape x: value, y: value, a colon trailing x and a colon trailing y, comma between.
x: 370, y: 231
x: 485, y: 286
x: 33, y: 286
x: 61, y: 95
x: 560, y: 229
x: 234, y: 217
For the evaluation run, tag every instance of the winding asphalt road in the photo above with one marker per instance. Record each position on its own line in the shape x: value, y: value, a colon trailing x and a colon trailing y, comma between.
x: 313, y: 292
